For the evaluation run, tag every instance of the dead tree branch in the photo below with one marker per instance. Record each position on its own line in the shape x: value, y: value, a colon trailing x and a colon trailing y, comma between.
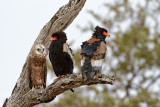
x: 37, y: 96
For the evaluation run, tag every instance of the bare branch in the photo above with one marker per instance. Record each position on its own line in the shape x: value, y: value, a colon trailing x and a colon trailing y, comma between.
x: 36, y: 96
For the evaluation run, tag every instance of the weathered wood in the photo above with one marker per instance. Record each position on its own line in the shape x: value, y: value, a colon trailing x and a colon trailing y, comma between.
x: 22, y: 95
x: 37, y: 96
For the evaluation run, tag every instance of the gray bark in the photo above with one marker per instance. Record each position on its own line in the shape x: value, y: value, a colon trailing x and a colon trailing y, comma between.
x: 37, y: 96
x: 22, y: 95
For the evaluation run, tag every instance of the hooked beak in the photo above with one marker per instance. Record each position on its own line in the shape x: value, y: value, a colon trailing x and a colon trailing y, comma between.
x: 54, y: 38
x: 106, y: 34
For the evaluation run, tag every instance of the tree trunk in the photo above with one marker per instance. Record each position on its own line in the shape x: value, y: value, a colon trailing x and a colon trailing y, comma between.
x: 22, y: 95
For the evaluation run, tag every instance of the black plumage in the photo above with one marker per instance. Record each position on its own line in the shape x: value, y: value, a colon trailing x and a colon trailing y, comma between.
x: 93, y: 52
x: 60, y: 55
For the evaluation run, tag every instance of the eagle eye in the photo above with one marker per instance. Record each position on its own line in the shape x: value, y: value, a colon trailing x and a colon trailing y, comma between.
x: 38, y: 49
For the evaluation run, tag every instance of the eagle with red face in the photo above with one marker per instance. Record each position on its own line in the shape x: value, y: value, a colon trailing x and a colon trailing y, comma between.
x: 60, y: 55
x: 93, y: 52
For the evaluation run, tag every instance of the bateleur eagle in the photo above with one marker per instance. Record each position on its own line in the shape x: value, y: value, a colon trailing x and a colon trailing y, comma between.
x: 93, y: 52
x: 60, y: 55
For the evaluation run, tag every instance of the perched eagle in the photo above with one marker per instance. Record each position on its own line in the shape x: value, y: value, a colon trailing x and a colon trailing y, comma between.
x: 93, y: 52
x: 37, y: 67
x: 60, y: 55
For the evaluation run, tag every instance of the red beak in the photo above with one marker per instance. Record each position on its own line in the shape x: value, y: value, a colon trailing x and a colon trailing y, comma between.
x: 54, y: 38
x: 106, y: 34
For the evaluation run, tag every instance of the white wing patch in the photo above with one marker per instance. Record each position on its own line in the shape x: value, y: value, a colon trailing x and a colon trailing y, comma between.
x: 68, y: 50
x: 97, y: 63
x: 82, y: 61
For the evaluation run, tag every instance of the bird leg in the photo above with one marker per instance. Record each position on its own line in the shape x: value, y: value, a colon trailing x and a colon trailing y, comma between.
x: 96, y: 72
x: 59, y: 76
x: 62, y: 75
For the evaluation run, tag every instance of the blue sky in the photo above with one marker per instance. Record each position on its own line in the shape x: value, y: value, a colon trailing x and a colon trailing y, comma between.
x: 20, y: 24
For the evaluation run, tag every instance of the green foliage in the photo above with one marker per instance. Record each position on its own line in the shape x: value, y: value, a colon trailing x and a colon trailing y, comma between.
x: 77, y: 59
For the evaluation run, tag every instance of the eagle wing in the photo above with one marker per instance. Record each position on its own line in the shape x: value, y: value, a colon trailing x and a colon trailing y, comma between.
x: 45, y: 74
x: 89, y: 49
x: 69, y: 55
x: 98, y: 56
x: 67, y: 49
x: 87, y: 52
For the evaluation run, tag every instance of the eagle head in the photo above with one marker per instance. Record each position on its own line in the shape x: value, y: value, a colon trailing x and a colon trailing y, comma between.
x: 59, y: 36
x: 39, y: 49
x: 100, y: 33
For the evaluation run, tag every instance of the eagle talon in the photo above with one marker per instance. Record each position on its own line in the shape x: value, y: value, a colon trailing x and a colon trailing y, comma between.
x: 96, y: 72
x: 62, y: 75
x: 56, y: 79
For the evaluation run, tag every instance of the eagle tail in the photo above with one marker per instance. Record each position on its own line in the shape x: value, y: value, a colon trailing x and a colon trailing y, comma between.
x: 85, y: 66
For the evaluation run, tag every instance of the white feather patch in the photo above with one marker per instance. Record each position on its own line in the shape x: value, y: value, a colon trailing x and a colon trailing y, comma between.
x: 82, y: 61
x: 67, y: 49
x: 96, y: 62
